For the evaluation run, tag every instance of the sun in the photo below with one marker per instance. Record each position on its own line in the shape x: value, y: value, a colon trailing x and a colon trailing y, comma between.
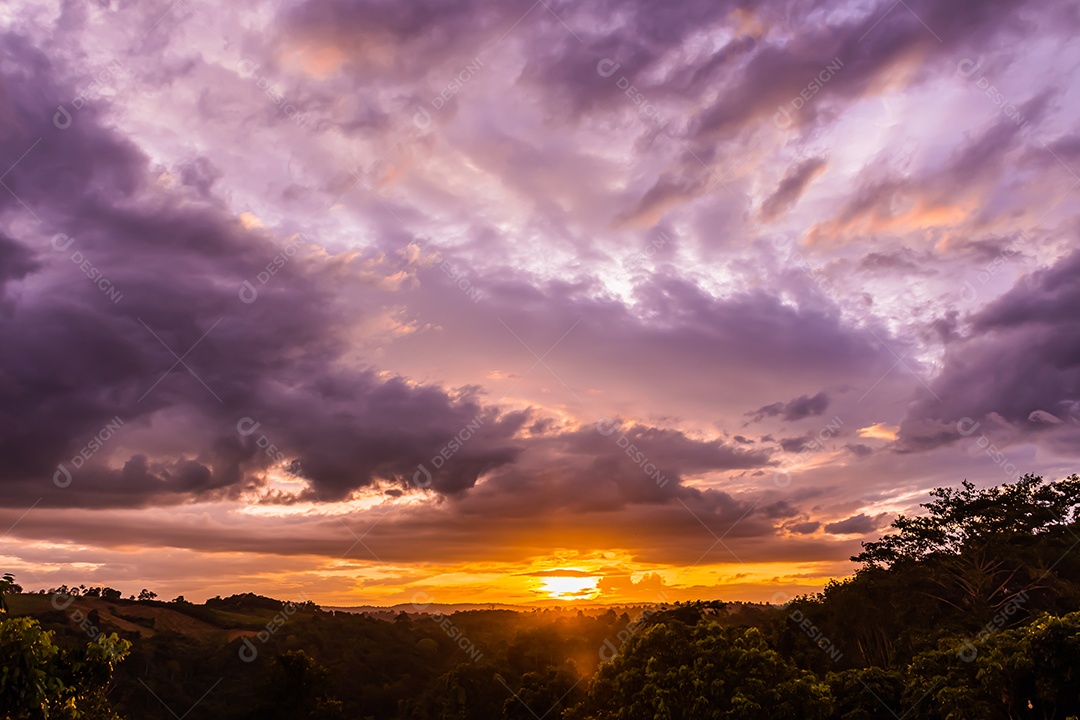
x: 570, y: 588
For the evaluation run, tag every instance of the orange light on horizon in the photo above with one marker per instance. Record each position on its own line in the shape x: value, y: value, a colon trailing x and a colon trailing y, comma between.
x: 570, y: 588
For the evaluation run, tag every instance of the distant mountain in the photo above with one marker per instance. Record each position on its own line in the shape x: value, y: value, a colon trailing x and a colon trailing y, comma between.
x: 432, y: 608
x: 450, y: 608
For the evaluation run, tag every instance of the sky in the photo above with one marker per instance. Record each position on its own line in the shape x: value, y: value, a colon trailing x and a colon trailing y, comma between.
x: 379, y: 302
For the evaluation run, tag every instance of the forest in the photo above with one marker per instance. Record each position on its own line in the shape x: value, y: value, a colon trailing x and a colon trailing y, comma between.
x: 969, y: 610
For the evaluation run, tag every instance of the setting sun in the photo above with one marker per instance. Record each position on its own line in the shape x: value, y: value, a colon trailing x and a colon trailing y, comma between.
x: 403, y: 359
x: 570, y: 588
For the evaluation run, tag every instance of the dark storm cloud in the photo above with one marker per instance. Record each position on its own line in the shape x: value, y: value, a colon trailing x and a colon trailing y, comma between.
x: 253, y: 374
x: 76, y: 359
x: 903, y: 260
x: 801, y: 407
x: 756, y: 73
x: 648, y: 464
x: 857, y: 524
x: 1019, y: 364
x: 675, y: 341
x: 580, y: 485
x: 16, y: 261
x: 795, y: 444
x: 433, y: 37
x: 473, y: 532
x: 859, y: 450
x: 866, y: 46
x: 791, y: 187
x: 586, y: 470
x: 781, y: 509
x: 200, y: 174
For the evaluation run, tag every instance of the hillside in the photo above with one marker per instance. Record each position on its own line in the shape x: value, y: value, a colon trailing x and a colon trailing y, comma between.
x: 969, y: 612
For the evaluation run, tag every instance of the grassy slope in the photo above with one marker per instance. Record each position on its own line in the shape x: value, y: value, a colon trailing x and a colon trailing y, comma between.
x: 148, y: 618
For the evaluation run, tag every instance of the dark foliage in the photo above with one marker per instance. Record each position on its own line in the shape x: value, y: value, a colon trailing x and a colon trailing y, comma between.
x: 968, y: 612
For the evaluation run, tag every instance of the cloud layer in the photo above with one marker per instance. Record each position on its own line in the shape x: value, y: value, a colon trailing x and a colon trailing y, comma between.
x: 689, y: 298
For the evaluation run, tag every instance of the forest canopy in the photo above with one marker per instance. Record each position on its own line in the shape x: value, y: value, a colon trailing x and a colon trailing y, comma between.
x: 967, y: 611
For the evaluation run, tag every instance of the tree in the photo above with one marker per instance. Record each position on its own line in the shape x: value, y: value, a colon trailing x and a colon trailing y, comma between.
x: 671, y: 670
x: 145, y: 595
x: 299, y: 689
x: 1027, y: 672
x: 7, y: 586
x: 541, y: 693
x: 997, y: 555
x: 467, y: 691
x: 39, y: 681
x: 29, y: 686
x: 866, y: 693
x: 966, y: 519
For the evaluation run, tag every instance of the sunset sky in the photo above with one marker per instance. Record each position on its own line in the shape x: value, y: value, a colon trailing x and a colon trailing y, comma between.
x: 477, y: 301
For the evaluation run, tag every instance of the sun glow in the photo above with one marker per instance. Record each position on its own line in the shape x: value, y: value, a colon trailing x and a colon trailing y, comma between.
x: 570, y: 588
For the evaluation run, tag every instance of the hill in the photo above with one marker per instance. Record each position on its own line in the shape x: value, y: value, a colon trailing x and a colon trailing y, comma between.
x: 970, y: 611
